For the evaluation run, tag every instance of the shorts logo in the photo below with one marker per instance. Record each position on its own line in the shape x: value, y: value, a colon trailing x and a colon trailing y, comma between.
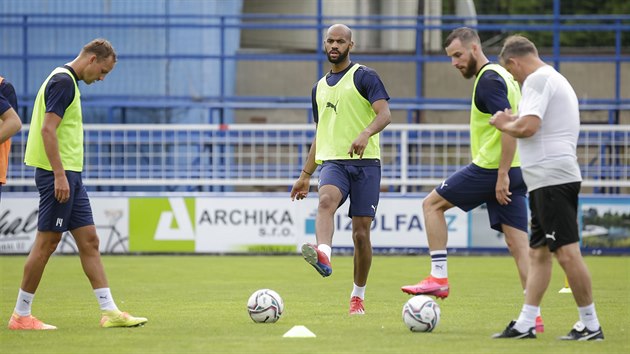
x: 59, y: 222
x: 444, y: 184
x: 552, y: 236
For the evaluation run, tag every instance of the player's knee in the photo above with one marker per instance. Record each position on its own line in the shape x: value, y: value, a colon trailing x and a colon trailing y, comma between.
x: 89, y: 244
x: 567, y: 255
x: 540, y: 255
x: 47, y: 245
x: 361, y: 238
x: 326, y: 202
x: 434, y: 203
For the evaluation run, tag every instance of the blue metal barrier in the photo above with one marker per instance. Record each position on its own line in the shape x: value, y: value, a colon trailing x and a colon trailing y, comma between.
x: 31, y: 62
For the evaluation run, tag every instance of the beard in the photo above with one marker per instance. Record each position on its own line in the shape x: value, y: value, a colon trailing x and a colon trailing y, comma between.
x: 340, y: 58
x: 471, y: 68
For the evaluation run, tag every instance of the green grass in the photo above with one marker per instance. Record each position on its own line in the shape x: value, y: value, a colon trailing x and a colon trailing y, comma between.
x: 197, y: 304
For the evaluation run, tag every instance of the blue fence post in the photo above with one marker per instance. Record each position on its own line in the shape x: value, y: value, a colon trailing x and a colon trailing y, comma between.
x: 419, y: 61
x: 25, y: 53
x: 556, y: 34
x: 617, y: 72
x: 318, y: 39
x: 222, y: 69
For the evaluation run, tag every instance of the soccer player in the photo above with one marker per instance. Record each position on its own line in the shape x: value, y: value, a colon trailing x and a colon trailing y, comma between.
x: 494, y: 177
x: 10, y: 124
x: 350, y: 109
x: 55, y: 149
x: 547, y: 127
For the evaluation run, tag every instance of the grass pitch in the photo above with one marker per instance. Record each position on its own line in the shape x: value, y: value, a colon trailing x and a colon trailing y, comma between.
x: 197, y: 304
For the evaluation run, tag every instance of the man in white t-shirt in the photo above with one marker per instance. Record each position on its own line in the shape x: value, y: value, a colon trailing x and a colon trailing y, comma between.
x: 547, y: 125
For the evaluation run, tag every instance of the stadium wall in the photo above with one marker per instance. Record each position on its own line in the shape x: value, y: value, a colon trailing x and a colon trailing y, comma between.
x: 154, y: 59
x: 591, y: 81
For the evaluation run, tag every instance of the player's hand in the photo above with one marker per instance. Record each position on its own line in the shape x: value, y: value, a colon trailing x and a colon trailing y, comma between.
x: 501, y: 118
x: 62, y: 189
x: 358, y: 145
x: 502, y: 189
x: 300, y: 189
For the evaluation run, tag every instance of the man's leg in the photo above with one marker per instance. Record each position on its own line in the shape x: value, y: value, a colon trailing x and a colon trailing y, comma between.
x: 433, y: 207
x: 588, y: 327
x: 87, y: 241
x: 362, y: 248
x: 319, y: 255
x: 43, y: 247
x: 362, y: 261
x: 539, y: 276
x: 329, y: 198
x: 571, y: 261
x: 518, y: 244
x: 537, y: 282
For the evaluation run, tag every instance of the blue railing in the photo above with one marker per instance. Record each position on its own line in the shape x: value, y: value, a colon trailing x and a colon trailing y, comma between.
x: 26, y: 54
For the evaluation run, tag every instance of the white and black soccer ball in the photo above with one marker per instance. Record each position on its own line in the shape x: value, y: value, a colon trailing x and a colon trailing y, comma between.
x: 421, y: 314
x: 265, y: 306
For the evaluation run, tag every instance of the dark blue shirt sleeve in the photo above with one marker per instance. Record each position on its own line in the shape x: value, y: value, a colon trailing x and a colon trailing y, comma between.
x: 369, y: 84
x: 59, y: 94
x: 8, y: 98
x: 314, y: 103
x: 491, y: 93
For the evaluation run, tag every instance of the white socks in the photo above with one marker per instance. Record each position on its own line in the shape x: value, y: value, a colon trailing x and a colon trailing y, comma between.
x: 438, y: 264
x: 358, y: 291
x: 527, y: 318
x: 23, y: 303
x: 25, y: 300
x: 326, y: 249
x: 105, y: 299
x: 588, y: 316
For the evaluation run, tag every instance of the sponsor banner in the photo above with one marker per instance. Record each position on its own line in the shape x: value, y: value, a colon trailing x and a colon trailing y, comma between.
x: 162, y: 224
x: 275, y: 224
x: 246, y: 225
x: 605, y: 224
x: 18, y: 225
x: 399, y: 223
x: 269, y: 224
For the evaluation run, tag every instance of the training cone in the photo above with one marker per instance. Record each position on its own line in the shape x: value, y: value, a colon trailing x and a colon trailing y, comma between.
x: 566, y: 289
x: 299, y: 332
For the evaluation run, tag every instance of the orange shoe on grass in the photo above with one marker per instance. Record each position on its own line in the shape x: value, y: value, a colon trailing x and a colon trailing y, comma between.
x: 29, y: 322
x: 437, y: 287
x: 540, y: 326
x: 356, y: 306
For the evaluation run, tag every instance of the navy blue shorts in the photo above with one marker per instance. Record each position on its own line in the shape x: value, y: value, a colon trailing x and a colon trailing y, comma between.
x: 361, y: 183
x: 472, y: 186
x: 60, y: 217
x: 554, y: 215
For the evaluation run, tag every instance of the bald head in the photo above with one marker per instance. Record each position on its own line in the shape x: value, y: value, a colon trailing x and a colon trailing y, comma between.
x: 340, y: 30
x: 337, y: 45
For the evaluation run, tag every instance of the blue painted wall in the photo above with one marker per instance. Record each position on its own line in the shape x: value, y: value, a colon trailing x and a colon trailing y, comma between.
x: 138, y: 37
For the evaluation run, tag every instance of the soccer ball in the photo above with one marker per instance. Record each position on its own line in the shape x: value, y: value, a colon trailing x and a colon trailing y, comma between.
x: 421, y: 314
x: 265, y: 306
